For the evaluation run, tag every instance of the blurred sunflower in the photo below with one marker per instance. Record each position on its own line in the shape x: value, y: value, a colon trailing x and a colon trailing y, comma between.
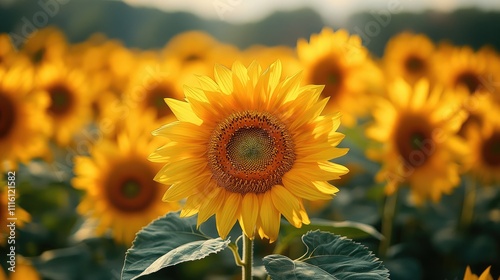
x: 24, y: 271
x: 417, y: 128
x: 249, y: 147
x: 341, y: 63
x: 484, y: 276
x: 456, y: 67
x: 45, y: 45
x: 196, y: 52
x: 484, y: 142
x: 409, y: 56
x: 21, y: 215
x: 118, y: 179
x: 268, y: 55
x: 69, y: 108
x: 24, y: 126
x: 150, y: 84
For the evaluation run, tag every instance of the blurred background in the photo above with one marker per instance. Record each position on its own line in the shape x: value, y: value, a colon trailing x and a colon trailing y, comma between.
x: 59, y: 243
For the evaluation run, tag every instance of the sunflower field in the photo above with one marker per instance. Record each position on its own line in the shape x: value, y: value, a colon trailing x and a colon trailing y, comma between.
x: 206, y: 160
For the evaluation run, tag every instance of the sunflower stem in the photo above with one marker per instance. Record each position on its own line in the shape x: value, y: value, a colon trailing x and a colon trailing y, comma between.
x: 246, y: 268
x: 467, y: 214
x: 387, y: 223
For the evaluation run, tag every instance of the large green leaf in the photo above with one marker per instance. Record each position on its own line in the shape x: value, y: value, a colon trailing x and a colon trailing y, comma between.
x: 165, y: 242
x: 328, y: 256
x: 353, y: 230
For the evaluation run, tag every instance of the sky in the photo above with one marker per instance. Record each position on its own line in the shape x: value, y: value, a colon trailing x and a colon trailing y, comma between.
x: 332, y: 11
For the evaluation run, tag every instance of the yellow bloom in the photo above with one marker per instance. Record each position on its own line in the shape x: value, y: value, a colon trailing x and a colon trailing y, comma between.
x: 196, y: 52
x: 150, y: 84
x: 341, y: 63
x: 24, y: 127
x: 249, y: 147
x: 417, y: 130
x: 484, y: 141
x: 408, y: 56
x: 45, y: 45
x: 268, y: 55
x: 118, y: 179
x: 484, y: 276
x: 69, y: 108
x: 461, y: 67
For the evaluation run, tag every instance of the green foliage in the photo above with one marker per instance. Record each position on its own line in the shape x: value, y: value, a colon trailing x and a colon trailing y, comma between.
x: 165, y: 242
x: 328, y: 256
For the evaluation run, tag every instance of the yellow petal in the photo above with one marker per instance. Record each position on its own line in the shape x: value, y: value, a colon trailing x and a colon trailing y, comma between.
x: 287, y: 204
x: 212, y: 198
x: 269, y: 218
x: 226, y: 216
x: 305, y: 189
x: 223, y: 78
x: 183, y: 111
x: 249, y: 214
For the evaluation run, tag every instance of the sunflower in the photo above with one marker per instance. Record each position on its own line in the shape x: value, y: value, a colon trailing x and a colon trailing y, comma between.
x: 268, y: 55
x: 118, y: 179
x: 24, y: 126
x: 69, y: 109
x: 249, y: 147
x: 417, y: 128
x: 45, y: 45
x: 484, y: 276
x: 484, y: 141
x: 150, y: 84
x: 461, y: 67
x: 409, y: 56
x: 196, y: 51
x: 341, y: 63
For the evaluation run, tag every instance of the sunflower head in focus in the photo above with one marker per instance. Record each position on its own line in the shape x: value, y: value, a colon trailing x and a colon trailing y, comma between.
x: 69, y: 108
x: 484, y: 276
x: 118, y: 179
x: 24, y: 126
x: 341, y: 63
x: 416, y: 127
x: 409, y: 56
x: 248, y: 147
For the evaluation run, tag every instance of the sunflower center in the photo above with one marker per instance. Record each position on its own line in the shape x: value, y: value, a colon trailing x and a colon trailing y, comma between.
x: 414, y: 64
x: 250, y: 151
x: 130, y: 187
x: 156, y: 97
x: 327, y: 72
x: 491, y: 150
x: 7, y: 115
x: 192, y: 57
x: 61, y: 100
x: 470, y: 80
x: 413, y: 139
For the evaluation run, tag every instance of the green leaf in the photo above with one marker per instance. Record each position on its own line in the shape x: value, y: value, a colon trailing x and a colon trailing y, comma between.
x: 328, y: 256
x: 165, y: 242
x: 353, y: 230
